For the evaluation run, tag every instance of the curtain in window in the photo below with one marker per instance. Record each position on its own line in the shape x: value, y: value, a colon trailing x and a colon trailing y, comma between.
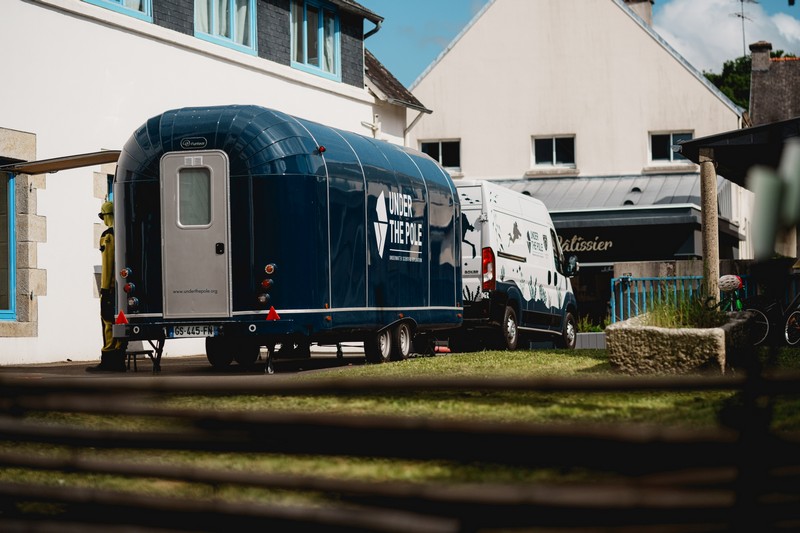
x: 223, y: 19
x: 312, y: 47
x: 329, y: 30
x: 134, y: 4
x: 243, y: 22
x: 297, y: 32
x: 202, y: 9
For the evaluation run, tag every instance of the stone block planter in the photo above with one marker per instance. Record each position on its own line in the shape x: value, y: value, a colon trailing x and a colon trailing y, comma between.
x: 635, y: 348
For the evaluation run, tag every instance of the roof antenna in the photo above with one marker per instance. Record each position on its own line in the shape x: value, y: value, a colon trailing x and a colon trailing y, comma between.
x: 742, y: 16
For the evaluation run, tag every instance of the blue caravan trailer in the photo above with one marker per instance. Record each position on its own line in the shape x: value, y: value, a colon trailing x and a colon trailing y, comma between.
x: 252, y: 228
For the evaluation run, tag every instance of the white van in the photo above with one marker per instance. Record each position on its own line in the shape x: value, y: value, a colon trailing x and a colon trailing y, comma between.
x: 516, y: 282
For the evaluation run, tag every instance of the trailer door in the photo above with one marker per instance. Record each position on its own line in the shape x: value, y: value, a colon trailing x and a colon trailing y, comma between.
x: 195, y: 235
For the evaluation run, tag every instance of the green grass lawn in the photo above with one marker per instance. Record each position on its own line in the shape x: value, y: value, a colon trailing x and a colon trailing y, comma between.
x: 688, y: 408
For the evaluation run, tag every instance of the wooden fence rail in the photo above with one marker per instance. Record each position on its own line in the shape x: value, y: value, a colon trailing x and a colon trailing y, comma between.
x: 741, y: 477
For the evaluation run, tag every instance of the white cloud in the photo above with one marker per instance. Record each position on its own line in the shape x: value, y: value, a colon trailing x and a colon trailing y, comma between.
x: 709, y: 32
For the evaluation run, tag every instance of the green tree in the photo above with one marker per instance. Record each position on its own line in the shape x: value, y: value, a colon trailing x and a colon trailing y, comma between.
x: 735, y: 78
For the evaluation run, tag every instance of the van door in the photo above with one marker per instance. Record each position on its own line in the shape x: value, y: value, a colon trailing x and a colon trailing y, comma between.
x: 560, y: 284
x: 195, y: 234
x: 471, y: 230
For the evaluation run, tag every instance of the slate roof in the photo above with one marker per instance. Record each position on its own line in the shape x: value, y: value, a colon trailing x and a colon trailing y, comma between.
x: 355, y: 7
x: 612, y: 192
x: 390, y: 89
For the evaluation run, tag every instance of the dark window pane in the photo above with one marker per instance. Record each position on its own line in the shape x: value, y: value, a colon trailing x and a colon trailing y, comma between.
x: 312, y: 23
x: 543, y: 148
x: 660, y: 147
x: 565, y: 151
x: 676, y: 137
x: 432, y: 149
x: 451, y: 154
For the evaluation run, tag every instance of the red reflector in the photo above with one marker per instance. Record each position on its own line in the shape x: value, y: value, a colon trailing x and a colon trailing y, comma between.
x: 129, y: 287
x: 125, y: 272
x: 273, y: 314
x: 267, y: 283
x: 121, y: 318
x: 270, y: 268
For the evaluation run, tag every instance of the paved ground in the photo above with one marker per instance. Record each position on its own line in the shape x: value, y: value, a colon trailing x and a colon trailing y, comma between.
x: 193, y: 365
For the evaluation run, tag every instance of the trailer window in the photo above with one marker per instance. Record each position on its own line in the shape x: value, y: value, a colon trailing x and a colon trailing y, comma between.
x: 194, y: 197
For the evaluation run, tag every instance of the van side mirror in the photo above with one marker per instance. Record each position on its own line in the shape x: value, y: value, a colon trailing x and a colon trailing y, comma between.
x: 572, y: 266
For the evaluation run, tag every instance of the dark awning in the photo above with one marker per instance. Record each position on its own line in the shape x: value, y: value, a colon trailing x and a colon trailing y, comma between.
x: 62, y: 163
x: 738, y: 150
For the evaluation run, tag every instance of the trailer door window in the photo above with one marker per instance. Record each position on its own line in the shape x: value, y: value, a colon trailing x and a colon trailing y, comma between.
x: 194, y: 197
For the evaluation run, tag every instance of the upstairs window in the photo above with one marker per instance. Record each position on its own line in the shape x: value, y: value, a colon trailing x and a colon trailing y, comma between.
x: 315, y: 38
x: 554, y: 151
x: 446, y: 153
x: 230, y: 23
x: 7, y: 248
x: 661, y: 146
x: 142, y: 9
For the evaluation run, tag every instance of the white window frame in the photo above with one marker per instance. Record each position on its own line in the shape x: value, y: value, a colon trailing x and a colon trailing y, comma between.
x: 552, y: 163
x: 440, y: 160
x: 303, y: 63
x: 674, y: 157
x: 141, y: 9
x: 241, y: 39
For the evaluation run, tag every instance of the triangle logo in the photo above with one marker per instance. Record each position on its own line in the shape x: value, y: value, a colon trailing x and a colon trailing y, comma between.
x: 382, y: 225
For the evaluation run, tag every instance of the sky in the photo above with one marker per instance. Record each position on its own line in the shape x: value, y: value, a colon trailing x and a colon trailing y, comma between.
x: 705, y: 32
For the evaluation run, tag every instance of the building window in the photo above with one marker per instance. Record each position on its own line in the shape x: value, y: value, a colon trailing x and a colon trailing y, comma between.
x: 141, y: 9
x: 7, y: 248
x: 230, y: 23
x: 554, y: 151
x: 315, y: 38
x: 447, y: 153
x: 661, y: 146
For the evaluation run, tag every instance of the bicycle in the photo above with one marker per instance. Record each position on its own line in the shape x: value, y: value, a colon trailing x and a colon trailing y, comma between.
x: 731, y: 299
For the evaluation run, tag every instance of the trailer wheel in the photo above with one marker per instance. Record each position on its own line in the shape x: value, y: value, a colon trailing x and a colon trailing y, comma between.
x: 569, y: 335
x: 401, y: 342
x: 218, y: 352
x: 378, y: 348
x: 246, y: 352
x: 510, y: 330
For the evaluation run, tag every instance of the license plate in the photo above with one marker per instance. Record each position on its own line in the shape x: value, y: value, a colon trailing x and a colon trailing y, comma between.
x: 193, y: 331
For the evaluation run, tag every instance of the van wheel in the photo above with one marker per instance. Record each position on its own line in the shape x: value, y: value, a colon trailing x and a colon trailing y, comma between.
x: 378, y: 347
x: 246, y: 353
x: 401, y: 342
x: 218, y: 352
x: 510, y: 331
x: 569, y: 335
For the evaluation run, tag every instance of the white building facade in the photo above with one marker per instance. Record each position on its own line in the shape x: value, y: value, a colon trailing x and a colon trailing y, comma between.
x: 85, y: 74
x: 578, y: 103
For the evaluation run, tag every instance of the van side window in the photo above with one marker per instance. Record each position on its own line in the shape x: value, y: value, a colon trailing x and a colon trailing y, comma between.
x: 558, y: 255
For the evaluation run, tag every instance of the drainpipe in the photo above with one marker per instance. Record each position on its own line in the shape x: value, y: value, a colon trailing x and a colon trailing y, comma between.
x: 374, y: 30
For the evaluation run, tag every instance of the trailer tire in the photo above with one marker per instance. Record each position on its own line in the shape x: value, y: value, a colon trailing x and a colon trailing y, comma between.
x: 218, y: 352
x: 246, y: 353
x: 569, y: 334
x: 510, y: 329
x: 378, y: 347
x: 401, y: 342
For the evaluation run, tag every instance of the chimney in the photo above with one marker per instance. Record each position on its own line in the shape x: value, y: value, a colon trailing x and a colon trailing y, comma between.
x: 760, y: 55
x: 643, y: 8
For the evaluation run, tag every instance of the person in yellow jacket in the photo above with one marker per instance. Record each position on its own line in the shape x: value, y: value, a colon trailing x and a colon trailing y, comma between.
x: 112, y: 355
